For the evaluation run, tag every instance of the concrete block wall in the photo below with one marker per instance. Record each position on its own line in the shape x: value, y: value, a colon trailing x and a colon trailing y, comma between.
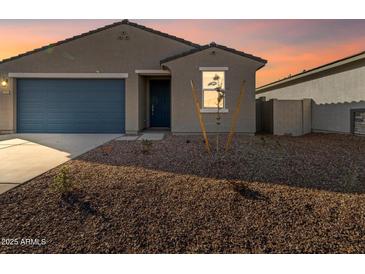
x: 307, y: 115
x: 285, y: 117
x: 291, y: 117
x: 334, y: 93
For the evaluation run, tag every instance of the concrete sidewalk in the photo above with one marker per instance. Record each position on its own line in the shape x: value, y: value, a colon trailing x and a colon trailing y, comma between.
x: 148, y: 136
x: 25, y: 156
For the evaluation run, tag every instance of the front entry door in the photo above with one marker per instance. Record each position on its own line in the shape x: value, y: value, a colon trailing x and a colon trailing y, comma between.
x: 159, y: 103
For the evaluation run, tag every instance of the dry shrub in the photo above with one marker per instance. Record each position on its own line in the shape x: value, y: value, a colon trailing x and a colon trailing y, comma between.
x: 62, y: 183
x: 146, y: 146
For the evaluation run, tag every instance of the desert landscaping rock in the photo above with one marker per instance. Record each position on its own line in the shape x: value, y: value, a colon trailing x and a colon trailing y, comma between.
x: 267, y: 195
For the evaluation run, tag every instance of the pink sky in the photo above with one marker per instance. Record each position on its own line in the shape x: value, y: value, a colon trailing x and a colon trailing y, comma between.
x: 290, y: 46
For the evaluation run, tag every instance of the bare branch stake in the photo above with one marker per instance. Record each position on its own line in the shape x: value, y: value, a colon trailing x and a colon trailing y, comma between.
x: 200, y: 117
x: 235, y: 117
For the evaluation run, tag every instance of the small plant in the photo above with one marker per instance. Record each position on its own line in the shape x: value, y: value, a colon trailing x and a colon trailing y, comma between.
x: 62, y: 183
x: 263, y: 140
x: 146, y: 146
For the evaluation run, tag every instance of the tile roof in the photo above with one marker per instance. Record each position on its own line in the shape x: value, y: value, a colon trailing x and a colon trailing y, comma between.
x: 213, y: 45
x: 125, y: 22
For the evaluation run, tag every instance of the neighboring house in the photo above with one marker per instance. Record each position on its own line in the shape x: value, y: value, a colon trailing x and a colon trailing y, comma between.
x: 123, y: 78
x: 337, y: 91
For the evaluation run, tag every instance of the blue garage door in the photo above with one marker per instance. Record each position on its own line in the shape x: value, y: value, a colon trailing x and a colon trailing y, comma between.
x: 70, y: 106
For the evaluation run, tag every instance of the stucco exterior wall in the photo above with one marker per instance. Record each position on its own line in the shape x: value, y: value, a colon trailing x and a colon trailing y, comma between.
x: 184, y: 118
x: 333, y: 92
x: 142, y: 102
x: 99, y: 52
x: 7, y: 107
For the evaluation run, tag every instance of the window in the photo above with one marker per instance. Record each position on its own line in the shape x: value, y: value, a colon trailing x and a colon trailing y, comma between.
x: 211, y: 80
x: 358, y: 121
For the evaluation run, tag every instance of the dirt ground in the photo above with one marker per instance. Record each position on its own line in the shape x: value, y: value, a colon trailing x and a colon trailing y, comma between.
x: 266, y: 195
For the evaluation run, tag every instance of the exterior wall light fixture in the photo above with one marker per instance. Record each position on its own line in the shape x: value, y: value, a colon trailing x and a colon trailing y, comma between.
x: 4, y: 82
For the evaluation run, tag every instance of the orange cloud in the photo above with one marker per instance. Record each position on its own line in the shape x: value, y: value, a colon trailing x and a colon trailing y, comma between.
x: 294, y: 60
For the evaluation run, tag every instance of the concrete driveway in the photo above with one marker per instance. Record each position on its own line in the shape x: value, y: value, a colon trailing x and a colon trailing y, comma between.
x: 25, y: 156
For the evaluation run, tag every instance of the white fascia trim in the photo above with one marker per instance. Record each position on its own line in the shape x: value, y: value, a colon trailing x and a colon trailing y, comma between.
x: 69, y: 75
x: 213, y: 68
x: 213, y: 110
x: 152, y: 71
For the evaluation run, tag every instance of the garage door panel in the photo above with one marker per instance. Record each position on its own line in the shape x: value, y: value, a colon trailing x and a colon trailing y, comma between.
x: 81, y: 127
x: 36, y: 118
x: 32, y: 108
x: 91, y: 107
x: 33, y: 127
x: 72, y: 106
x: 82, y: 116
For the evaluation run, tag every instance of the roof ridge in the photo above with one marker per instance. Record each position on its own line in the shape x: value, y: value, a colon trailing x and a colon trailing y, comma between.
x: 164, y: 34
x: 213, y: 45
x: 239, y: 52
x: 122, y: 22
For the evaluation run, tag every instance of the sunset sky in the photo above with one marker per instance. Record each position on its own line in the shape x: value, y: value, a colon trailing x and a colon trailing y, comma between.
x: 290, y: 46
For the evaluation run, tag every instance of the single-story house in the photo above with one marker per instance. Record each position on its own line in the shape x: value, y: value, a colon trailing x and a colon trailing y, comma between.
x: 124, y: 78
x: 337, y: 94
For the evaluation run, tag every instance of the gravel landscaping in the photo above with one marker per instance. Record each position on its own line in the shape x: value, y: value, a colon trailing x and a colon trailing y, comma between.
x: 267, y: 195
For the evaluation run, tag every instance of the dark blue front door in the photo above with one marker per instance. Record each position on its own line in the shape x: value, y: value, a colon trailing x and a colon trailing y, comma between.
x: 70, y: 106
x: 159, y: 103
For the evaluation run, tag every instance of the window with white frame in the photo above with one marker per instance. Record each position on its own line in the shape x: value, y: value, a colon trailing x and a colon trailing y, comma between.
x: 212, y: 80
